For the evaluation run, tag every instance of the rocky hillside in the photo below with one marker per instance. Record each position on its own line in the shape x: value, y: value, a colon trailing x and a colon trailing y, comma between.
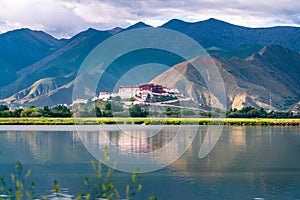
x: 270, y: 76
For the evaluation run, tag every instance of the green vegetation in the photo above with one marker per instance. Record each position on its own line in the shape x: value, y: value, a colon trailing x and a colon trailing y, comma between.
x: 18, y: 187
x: 100, y: 185
x: 58, y: 111
x: 113, y: 112
x: 149, y: 121
x: 250, y: 112
x: 137, y: 111
x: 37, y: 121
x: 116, y: 108
x: 5, y: 112
x: 99, y: 109
x: 113, y: 108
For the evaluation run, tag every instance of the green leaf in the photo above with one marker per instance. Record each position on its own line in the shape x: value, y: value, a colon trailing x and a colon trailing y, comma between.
x: 28, y: 174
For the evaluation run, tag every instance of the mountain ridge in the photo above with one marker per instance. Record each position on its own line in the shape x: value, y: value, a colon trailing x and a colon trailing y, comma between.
x: 248, y: 82
x: 243, y: 51
x: 21, y: 48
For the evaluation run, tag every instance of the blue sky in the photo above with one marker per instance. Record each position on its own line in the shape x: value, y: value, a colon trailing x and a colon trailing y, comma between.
x: 64, y: 18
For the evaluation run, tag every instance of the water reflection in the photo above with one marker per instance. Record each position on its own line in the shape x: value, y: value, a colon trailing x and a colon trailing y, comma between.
x: 261, y: 159
x: 146, y: 149
x: 247, y: 162
x: 138, y: 141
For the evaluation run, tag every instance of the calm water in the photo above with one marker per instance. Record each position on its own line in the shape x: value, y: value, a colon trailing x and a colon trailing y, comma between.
x: 246, y: 163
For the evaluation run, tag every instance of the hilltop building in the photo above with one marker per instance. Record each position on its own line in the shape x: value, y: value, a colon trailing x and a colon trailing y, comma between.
x: 140, y: 92
x: 80, y: 101
x: 128, y: 91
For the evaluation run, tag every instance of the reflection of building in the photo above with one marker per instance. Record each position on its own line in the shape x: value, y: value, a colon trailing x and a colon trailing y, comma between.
x: 157, y: 141
x: 138, y: 141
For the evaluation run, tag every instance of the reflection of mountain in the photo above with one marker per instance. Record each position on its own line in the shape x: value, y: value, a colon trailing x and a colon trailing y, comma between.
x: 256, y: 156
x: 51, y: 155
x: 45, y: 146
x: 252, y: 160
x: 224, y: 152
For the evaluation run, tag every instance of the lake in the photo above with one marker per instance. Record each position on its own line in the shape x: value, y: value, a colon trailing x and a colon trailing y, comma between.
x: 246, y: 162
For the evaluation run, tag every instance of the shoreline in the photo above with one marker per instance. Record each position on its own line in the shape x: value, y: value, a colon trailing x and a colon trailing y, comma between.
x: 152, y: 121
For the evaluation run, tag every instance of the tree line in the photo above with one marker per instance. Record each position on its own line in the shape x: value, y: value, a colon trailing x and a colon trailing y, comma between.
x: 58, y: 111
x: 110, y: 109
x: 115, y: 109
x: 250, y: 112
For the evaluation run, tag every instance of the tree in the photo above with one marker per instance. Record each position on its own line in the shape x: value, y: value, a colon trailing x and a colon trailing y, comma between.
x: 6, y: 113
x: 169, y: 111
x: 107, y: 110
x: 17, y: 113
x: 137, y: 111
x: 3, y: 107
x: 98, y: 112
x: 31, y: 112
x: 111, y: 107
x: 46, y: 111
x: 60, y: 111
x: 107, y: 107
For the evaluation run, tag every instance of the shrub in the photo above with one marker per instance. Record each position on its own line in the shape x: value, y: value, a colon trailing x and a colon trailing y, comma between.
x: 99, y: 186
x: 31, y: 112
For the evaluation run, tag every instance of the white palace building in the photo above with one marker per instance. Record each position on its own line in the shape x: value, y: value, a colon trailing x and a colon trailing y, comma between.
x: 138, y: 91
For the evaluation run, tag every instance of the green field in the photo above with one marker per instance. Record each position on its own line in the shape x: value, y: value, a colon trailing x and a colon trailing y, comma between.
x: 149, y: 121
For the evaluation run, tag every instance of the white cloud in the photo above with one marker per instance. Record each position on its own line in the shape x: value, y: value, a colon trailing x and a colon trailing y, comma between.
x: 99, y: 12
x: 66, y: 17
x: 50, y: 16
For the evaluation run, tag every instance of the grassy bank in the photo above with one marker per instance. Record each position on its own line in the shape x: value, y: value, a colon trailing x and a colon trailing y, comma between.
x: 149, y: 121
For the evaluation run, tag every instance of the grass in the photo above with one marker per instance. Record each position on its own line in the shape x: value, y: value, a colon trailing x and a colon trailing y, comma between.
x: 151, y: 121
x: 99, y: 185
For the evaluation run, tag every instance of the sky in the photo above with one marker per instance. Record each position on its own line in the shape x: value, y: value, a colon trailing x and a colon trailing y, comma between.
x: 65, y: 18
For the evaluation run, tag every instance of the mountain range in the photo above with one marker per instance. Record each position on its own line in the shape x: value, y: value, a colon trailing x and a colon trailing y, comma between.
x: 258, y: 65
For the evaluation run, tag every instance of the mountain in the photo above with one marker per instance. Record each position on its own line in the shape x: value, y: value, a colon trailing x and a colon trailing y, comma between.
x: 225, y: 36
x: 137, y: 25
x: 242, y: 51
x: 271, y: 74
x: 21, y: 48
x: 45, y: 91
x: 295, y: 107
x: 62, y: 62
x: 257, y: 63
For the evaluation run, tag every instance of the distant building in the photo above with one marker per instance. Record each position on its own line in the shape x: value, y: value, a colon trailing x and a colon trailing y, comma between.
x: 140, y: 92
x: 128, y: 91
x: 151, y: 88
x: 80, y: 101
x: 104, y: 95
x: 171, y: 90
x: 107, y: 95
